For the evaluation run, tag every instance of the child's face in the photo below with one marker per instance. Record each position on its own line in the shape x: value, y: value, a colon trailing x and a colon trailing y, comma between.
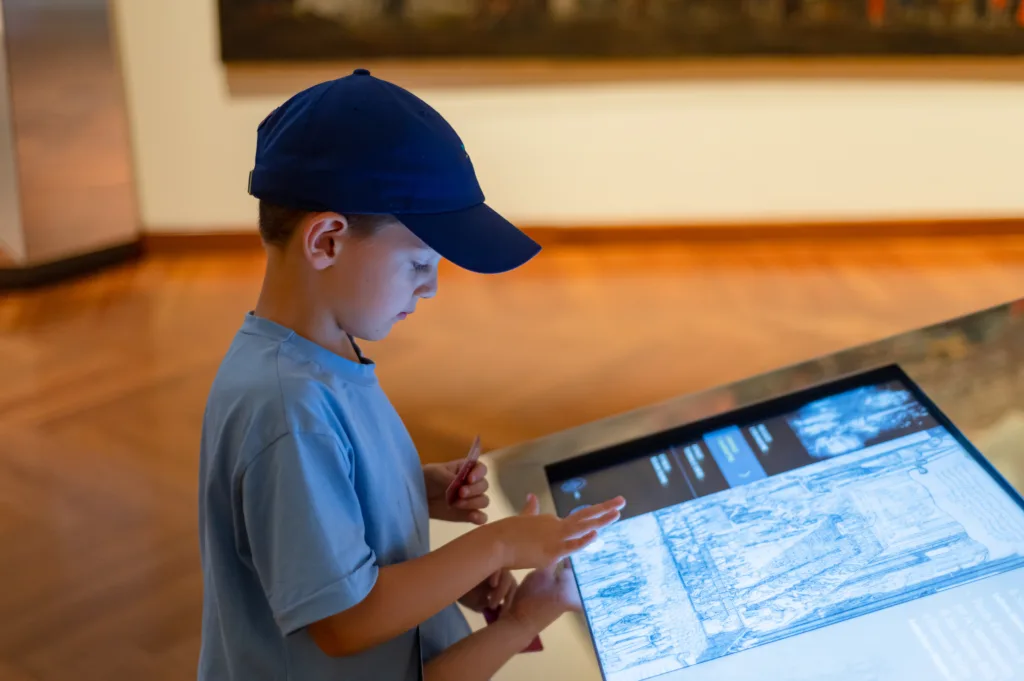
x: 375, y: 281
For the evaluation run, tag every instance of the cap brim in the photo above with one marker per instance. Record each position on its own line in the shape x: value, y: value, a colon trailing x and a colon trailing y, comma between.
x: 477, y: 239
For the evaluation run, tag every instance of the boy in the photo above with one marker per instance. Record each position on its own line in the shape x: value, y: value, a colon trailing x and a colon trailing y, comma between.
x: 313, y: 505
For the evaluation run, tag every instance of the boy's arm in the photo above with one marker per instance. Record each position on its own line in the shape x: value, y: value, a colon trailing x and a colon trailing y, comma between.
x: 479, y: 656
x: 304, y: 532
x: 541, y: 599
x: 408, y: 594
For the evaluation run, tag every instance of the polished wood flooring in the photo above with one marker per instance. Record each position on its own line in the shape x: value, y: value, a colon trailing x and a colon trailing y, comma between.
x: 104, y: 380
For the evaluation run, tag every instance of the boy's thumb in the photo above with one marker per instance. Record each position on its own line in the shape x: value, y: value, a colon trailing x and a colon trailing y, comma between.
x: 532, y: 505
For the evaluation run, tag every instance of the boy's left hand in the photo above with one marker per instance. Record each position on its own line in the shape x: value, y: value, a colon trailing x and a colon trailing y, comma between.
x: 544, y: 596
x: 499, y: 589
x: 472, y: 495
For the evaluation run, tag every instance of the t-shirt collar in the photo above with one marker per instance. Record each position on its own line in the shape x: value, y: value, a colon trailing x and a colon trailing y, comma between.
x: 363, y: 369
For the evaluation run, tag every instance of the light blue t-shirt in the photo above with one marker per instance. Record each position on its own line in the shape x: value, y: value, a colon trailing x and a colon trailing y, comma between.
x: 309, y: 483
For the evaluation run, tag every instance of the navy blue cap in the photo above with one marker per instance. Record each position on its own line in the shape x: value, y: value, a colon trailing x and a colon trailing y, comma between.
x: 359, y: 144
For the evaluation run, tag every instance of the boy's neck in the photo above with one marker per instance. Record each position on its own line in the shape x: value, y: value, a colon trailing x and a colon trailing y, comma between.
x: 286, y: 298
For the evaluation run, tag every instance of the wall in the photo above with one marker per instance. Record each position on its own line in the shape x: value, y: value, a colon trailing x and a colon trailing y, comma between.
x: 596, y: 154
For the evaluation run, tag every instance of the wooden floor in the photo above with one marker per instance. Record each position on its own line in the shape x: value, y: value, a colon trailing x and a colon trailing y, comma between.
x: 104, y: 383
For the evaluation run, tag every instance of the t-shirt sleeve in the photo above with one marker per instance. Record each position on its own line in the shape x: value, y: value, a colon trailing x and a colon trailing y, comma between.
x: 305, y: 530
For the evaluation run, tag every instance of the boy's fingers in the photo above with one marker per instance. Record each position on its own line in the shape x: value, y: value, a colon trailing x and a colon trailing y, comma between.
x: 589, y: 529
x: 474, y: 489
x: 615, y: 504
x: 500, y: 594
x: 587, y: 519
x: 510, y: 597
x: 492, y: 594
x: 574, y: 527
x: 478, y: 473
x: 532, y: 505
x: 478, y: 517
x: 597, y: 522
x: 473, y: 504
x: 574, y: 545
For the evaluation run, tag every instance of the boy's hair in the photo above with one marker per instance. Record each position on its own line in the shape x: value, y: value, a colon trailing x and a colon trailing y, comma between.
x: 278, y: 223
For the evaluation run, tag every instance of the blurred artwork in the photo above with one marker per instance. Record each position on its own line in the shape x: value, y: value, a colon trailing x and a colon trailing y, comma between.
x: 275, y: 30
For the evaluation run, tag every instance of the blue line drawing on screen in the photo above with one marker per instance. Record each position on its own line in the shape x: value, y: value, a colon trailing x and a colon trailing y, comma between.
x: 853, y: 420
x: 794, y: 552
x: 574, y: 487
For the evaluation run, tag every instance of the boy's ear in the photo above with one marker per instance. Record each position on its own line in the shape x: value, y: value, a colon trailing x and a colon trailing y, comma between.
x: 322, y: 238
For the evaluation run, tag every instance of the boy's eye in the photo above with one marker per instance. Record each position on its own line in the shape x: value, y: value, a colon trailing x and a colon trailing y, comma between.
x: 421, y: 266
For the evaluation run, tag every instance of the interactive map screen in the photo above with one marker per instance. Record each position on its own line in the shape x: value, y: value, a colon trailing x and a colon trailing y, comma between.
x: 846, y: 532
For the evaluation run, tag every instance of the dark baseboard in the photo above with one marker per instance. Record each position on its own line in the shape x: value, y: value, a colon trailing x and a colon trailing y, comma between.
x: 776, y: 231
x: 190, y: 242
x: 48, y: 273
x: 580, y: 235
x: 57, y: 271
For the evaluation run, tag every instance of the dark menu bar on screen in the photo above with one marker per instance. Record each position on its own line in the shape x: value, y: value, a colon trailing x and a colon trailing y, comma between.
x: 740, y: 455
x: 716, y: 462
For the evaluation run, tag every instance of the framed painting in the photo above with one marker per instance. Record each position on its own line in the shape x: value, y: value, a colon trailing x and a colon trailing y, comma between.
x: 614, y: 30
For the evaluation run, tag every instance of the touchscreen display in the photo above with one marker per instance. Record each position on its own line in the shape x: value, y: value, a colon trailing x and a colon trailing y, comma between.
x: 845, y: 535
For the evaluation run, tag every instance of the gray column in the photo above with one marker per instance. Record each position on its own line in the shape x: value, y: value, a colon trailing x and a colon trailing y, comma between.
x: 67, y: 190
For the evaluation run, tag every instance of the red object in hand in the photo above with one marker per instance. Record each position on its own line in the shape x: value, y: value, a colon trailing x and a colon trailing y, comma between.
x: 491, y: 616
x: 452, y: 493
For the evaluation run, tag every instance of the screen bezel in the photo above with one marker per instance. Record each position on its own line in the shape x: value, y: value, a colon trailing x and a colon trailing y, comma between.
x: 624, y: 452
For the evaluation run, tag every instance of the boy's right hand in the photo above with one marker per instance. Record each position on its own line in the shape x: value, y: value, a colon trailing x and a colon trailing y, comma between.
x: 531, y: 540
